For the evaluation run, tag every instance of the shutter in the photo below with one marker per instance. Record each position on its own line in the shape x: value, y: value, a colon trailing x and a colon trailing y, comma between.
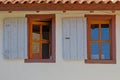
x: 6, y: 38
x: 74, y: 38
x: 22, y: 37
x: 15, y: 38
x: 66, y: 40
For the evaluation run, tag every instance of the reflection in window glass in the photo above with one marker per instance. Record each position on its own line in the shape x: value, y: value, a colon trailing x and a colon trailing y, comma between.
x: 105, y: 31
x: 105, y: 50
x: 45, y: 32
x: 35, y: 38
x: 95, y: 51
x: 94, y: 31
x: 45, y: 51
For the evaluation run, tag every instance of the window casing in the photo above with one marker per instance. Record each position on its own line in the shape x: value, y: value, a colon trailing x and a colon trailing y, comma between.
x: 101, y: 45
x: 41, y: 38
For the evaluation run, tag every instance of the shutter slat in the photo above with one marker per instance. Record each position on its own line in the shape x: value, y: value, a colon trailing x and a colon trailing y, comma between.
x: 85, y: 38
x: 6, y: 39
x: 80, y: 37
x: 22, y: 44
x: 81, y: 41
x: 66, y: 41
x: 13, y: 38
x: 73, y: 38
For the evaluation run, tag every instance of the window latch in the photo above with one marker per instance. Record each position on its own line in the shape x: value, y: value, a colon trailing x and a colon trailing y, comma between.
x: 67, y: 37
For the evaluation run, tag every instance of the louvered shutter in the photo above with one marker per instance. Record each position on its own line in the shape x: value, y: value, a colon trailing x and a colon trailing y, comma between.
x: 74, y: 38
x: 15, y: 38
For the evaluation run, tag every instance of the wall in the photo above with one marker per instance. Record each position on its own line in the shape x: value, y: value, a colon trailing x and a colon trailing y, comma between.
x: 61, y: 70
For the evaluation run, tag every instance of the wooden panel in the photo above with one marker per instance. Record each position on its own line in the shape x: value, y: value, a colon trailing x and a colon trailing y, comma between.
x: 22, y: 37
x: 15, y: 34
x: 73, y: 38
x: 81, y: 38
x: 6, y: 30
x: 85, y: 38
x: 66, y: 39
x: 74, y: 47
x: 10, y: 36
x: 13, y: 38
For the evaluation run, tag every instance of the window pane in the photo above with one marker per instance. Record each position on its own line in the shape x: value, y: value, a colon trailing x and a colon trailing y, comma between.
x: 105, y: 50
x: 35, y: 38
x: 45, y: 51
x: 94, y: 50
x: 94, y: 31
x: 35, y: 48
x: 105, y: 31
x: 45, y: 32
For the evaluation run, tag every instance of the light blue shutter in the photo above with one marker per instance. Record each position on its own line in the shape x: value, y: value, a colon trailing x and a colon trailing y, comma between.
x: 74, y: 38
x: 22, y: 37
x: 15, y: 38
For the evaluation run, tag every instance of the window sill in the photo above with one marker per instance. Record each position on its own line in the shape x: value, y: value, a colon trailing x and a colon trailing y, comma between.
x: 39, y: 61
x: 100, y: 61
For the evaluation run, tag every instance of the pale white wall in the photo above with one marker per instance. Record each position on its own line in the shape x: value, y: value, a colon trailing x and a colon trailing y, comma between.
x: 61, y: 70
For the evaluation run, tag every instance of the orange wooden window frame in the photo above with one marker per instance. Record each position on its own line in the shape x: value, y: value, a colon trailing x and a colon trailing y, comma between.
x: 42, y: 17
x: 98, y: 19
x: 41, y: 41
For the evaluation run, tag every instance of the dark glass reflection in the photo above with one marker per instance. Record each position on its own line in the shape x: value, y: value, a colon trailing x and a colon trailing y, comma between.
x: 45, y: 32
x: 105, y: 50
x: 94, y: 31
x: 36, y: 28
x: 94, y: 50
x: 45, y: 51
x: 35, y: 38
x: 105, y: 31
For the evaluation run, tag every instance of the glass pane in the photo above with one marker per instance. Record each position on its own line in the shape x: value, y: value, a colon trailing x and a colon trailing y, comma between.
x: 105, y: 31
x: 35, y: 48
x: 94, y: 50
x: 35, y: 38
x: 94, y: 31
x: 45, y: 51
x: 105, y: 50
x: 45, y: 32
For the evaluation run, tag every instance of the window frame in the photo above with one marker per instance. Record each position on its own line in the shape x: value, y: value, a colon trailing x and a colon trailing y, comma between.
x: 32, y: 17
x: 112, y: 20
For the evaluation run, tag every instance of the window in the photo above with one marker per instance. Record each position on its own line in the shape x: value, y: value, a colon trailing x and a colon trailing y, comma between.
x: 101, y: 39
x: 41, y: 38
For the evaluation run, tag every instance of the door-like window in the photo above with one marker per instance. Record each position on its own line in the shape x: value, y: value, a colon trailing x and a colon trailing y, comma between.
x: 101, y: 39
x: 41, y: 41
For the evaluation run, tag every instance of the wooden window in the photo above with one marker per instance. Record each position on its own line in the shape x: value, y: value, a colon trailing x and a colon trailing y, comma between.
x: 101, y: 39
x: 41, y: 32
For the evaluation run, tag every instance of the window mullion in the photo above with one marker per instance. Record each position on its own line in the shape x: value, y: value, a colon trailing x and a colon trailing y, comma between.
x: 89, y: 41
x: 30, y: 37
x: 110, y: 39
x: 40, y: 41
x: 100, y: 43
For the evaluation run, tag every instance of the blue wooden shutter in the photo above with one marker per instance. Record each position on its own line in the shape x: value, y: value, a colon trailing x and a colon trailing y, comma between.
x: 15, y: 38
x: 74, y: 38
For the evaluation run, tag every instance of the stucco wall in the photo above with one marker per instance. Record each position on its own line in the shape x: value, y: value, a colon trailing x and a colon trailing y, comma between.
x: 61, y: 70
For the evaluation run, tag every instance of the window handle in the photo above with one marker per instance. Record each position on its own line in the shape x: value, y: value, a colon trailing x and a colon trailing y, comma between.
x: 67, y: 37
